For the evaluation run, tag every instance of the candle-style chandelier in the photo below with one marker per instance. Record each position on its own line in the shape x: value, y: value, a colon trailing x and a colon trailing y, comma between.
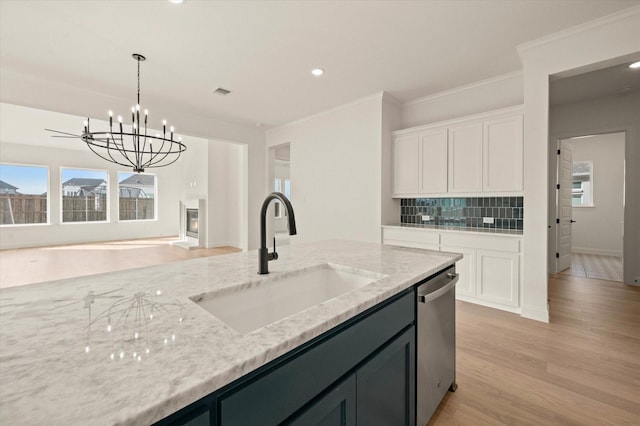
x: 132, y: 147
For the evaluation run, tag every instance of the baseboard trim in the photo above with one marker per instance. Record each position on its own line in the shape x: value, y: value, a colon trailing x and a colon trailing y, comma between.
x: 535, y: 314
x: 601, y: 252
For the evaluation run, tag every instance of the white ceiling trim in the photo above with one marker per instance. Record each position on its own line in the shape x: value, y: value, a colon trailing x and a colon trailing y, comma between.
x: 466, y: 87
x: 625, y: 13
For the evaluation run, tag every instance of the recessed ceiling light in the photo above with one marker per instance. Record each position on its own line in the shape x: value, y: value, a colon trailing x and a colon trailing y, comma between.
x: 317, y: 72
x: 176, y: 1
x: 635, y: 65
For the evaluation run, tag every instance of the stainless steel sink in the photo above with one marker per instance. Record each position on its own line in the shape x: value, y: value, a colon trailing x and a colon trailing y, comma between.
x: 256, y: 304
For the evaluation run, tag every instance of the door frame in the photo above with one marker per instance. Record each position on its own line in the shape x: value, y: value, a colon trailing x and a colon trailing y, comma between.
x: 554, y: 141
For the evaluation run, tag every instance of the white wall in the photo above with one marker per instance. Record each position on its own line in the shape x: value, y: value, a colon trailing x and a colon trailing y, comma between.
x: 336, y: 171
x: 598, y: 229
x: 224, y: 197
x: 603, y: 40
x: 485, y: 95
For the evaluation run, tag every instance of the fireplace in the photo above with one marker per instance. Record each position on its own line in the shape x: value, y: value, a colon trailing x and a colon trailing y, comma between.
x: 192, y: 223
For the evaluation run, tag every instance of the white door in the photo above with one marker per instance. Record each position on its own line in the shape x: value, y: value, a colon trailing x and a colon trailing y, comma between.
x: 433, y: 170
x: 502, y: 154
x: 406, y: 164
x: 564, y: 211
x: 465, y: 157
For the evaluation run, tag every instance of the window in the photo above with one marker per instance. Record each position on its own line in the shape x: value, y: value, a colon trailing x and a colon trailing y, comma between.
x: 136, y: 196
x: 582, y: 184
x: 284, y: 186
x: 23, y: 194
x: 84, y: 195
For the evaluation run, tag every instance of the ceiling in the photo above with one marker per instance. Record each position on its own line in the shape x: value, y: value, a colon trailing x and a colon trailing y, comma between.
x: 617, y: 80
x: 75, y: 56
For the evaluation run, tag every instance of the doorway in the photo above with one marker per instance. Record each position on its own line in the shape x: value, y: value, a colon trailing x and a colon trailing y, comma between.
x: 590, y: 206
x: 280, y: 181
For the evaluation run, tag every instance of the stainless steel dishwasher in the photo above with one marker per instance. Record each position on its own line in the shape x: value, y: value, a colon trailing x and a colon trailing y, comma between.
x: 436, y: 342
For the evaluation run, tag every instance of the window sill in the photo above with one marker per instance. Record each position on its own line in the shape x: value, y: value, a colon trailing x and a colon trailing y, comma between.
x: 584, y: 207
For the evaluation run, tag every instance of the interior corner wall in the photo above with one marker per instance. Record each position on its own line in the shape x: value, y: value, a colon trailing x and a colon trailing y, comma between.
x: 609, y: 38
x: 335, y: 172
x: 390, y: 207
x: 599, y: 229
x: 481, y: 96
x: 224, y: 167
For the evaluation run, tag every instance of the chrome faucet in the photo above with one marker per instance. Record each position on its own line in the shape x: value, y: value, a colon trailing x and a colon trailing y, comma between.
x: 263, y: 252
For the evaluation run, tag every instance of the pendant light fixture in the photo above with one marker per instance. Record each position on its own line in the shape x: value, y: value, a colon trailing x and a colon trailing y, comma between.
x: 131, y: 145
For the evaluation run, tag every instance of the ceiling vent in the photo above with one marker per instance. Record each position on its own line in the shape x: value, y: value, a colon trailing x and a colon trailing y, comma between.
x: 221, y: 91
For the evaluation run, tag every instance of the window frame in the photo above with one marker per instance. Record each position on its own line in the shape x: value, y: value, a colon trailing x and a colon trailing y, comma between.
x: 155, y: 197
x: 106, y: 198
x: 588, y: 191
x: 48, y: 192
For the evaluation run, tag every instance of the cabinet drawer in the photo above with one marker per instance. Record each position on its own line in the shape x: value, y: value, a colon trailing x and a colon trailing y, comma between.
x: 411, y: 238
x: 507, y: 244
x: 287, y: 384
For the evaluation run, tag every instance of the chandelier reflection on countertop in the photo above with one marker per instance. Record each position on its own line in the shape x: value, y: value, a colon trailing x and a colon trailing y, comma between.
x: 132, y: 147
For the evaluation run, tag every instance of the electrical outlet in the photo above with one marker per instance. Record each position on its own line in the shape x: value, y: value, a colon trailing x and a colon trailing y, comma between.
x: 487, y: 220
x: 426, y: 217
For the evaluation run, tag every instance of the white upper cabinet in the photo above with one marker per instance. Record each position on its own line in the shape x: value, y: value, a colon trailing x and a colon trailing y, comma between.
x: 475, y: 155
x: 406, y: 164
x: 465, y: 157
x: 502, y: 156
x: 433, y: 170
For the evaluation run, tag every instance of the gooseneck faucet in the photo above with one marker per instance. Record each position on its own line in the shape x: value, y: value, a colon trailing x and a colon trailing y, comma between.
x: 263, y: 253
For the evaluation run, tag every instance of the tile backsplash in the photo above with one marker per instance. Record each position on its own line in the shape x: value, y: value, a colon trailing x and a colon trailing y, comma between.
x: 471, y: 212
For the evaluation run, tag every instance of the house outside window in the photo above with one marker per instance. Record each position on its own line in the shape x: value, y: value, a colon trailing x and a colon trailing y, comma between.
x: 84, y: 195
x: 23, y: 194
x: 582, y: 184
x: 136, y: 196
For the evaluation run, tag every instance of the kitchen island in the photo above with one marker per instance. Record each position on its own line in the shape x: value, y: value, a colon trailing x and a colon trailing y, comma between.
x: 133, y: 347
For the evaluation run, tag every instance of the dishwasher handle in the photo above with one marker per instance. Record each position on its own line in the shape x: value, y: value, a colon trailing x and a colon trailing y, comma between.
x: 428, y: 297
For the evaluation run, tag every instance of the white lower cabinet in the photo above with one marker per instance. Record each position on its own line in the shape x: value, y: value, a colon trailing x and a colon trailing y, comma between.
x: 466, y: 268
x: 489, y: 271
x: 498, y: 276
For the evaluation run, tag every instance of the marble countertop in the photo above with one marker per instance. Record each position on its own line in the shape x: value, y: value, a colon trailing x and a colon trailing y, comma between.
x: 130, y: 347
x: 482, y: 231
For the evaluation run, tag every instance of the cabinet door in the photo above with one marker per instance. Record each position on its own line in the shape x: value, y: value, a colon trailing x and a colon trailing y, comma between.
x: 502, y: 156
x: 466, y: 267
x: 406, y: 164
x: 465, y: 157
x: 433, y: 168
x: 336, y: 408
x: 386, y: 384
x: 498, y: 277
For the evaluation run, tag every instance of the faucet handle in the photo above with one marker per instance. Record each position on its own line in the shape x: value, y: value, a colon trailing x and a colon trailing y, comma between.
x: 275, y: 254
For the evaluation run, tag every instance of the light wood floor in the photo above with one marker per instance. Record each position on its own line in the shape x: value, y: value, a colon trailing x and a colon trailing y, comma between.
x: 583, y: 368
x: 595, y: 266
x: 32, y: 265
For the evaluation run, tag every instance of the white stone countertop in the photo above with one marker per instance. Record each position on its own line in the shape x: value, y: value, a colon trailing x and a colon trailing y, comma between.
x: 466, y: 230
x: 56, y: 365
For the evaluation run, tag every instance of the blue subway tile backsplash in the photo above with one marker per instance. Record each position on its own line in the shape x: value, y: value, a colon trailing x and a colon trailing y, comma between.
x: 507, y: 212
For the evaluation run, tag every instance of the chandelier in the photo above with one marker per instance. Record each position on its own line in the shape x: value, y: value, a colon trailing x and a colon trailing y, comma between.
x: 132, y: 146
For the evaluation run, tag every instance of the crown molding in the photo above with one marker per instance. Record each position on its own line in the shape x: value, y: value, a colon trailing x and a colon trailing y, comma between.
x: 469, y: 86
x: 607, y: 19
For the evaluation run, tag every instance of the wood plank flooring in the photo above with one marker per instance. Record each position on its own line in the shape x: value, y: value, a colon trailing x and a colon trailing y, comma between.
x: 583, y: 368
x: 595, y: 266
x: 32, y: 265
